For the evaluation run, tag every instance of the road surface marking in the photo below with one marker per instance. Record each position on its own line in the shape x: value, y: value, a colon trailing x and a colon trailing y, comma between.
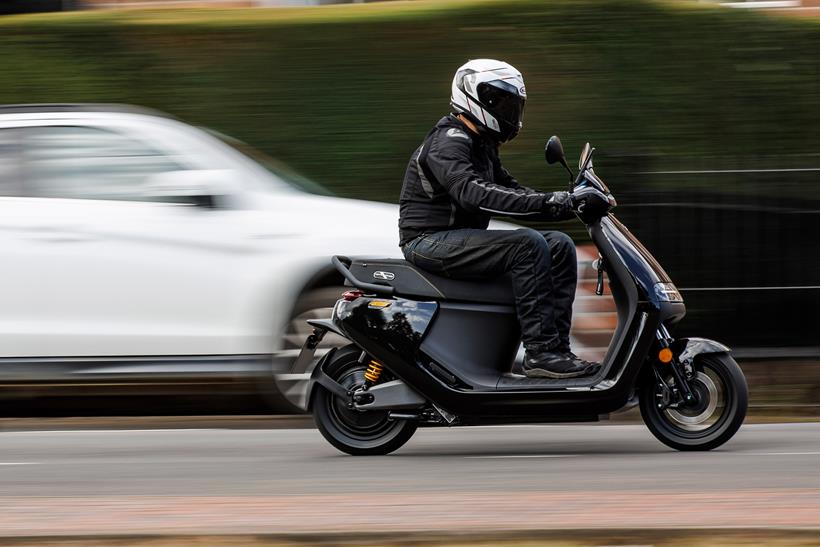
x: 124, y: 430
x: 521, y: 456
x: 780, y: 453
x: 19, y: 463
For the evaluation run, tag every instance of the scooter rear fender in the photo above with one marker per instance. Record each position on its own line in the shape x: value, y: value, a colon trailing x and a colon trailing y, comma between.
x: 296, y: 386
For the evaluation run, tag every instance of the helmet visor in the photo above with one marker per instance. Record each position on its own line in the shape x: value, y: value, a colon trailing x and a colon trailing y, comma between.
x: 503, y: 101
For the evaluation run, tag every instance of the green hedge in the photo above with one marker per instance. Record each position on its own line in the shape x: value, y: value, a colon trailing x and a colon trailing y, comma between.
x: 345, y: 93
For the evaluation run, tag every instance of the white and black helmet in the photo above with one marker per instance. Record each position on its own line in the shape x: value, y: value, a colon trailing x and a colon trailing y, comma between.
x: 492, y: 94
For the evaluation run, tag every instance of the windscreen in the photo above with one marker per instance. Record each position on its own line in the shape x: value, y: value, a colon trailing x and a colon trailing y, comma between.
x: 585, y: 151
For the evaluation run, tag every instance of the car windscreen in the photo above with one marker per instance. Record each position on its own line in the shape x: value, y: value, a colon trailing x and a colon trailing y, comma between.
x: 275, y: 167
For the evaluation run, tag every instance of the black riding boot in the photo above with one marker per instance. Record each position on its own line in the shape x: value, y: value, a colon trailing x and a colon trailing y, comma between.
x: 540, y: 362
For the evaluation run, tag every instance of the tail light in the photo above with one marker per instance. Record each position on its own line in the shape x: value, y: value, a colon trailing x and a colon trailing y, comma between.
x: 350, y: 296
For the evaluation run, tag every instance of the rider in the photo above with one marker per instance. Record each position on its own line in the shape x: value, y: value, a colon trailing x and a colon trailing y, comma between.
x: 455, y: 182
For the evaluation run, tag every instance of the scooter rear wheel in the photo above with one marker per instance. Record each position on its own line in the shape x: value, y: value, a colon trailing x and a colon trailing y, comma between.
x: 355, y: 432
x: 716, y: 416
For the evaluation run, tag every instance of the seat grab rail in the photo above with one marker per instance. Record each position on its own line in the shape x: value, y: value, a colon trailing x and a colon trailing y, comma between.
x: 342, y: 265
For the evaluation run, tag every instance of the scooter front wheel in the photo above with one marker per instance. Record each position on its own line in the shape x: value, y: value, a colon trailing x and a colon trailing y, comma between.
x: 355, y: 432
x: 719, y: 411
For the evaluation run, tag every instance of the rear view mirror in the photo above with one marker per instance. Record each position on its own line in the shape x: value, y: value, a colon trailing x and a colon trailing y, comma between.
x: 196, y: 186
x: 554, y: 152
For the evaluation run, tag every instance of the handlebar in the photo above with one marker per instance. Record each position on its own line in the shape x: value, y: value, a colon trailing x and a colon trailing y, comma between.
x: 342, y: 265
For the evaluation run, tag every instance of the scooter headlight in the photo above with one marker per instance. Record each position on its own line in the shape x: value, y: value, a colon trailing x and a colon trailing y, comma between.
x: 667, y: 292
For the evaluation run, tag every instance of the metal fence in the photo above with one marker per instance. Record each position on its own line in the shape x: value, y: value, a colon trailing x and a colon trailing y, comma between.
x: 738, y: 235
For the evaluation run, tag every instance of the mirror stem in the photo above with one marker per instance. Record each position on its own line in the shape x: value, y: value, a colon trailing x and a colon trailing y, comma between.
x: 571, y: 176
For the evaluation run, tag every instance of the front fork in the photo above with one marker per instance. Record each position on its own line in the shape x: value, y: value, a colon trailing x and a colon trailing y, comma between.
x: 679, y: 392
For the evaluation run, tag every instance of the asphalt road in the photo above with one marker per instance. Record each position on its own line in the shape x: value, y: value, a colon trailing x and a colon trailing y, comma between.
x: 461, y: 479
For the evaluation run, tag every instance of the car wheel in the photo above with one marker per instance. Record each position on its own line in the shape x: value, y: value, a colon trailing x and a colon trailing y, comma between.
x: 312, y: 304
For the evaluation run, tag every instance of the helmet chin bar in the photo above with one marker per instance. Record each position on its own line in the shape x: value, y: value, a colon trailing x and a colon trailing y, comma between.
x: 508, y: 131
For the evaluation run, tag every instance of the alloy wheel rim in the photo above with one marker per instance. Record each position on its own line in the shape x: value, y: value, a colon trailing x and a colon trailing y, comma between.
x: 361, y: 425
x: 708, y: 411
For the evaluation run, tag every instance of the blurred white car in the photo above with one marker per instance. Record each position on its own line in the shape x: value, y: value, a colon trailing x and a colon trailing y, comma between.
x: 136, y: 250
x: 134, y: 246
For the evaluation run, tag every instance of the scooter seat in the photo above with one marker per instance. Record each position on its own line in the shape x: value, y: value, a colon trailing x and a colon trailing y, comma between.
x: 408, y: 281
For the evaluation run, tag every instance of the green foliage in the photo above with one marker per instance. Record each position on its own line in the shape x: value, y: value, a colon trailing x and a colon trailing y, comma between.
x: 344, y: 94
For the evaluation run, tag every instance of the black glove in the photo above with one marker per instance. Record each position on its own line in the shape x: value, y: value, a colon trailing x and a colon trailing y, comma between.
x: 558, y: 206
x: 591, y: 204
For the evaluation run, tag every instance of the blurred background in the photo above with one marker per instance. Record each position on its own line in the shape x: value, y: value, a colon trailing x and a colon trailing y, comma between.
x: 705, y: 117
x: 175, y: 174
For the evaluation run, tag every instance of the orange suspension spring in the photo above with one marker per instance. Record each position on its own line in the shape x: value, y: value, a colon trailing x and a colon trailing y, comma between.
x: 374, y: 370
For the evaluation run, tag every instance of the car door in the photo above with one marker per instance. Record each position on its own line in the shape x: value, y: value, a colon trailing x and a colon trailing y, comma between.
x: 94, y: 265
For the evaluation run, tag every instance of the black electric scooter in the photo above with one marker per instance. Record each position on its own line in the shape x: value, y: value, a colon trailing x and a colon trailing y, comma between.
x: 429, y: 350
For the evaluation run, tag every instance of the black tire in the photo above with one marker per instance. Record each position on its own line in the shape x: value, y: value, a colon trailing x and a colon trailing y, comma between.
x: 352, y: 431
x: 717, y: 417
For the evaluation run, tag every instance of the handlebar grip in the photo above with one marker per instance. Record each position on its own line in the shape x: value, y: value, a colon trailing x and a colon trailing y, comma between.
x: 342, y: 265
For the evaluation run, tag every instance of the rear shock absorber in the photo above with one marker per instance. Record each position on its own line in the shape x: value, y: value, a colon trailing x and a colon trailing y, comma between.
x: 373, y: 372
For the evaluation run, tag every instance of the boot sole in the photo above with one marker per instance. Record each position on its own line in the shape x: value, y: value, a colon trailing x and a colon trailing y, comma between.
x: 541, y: 373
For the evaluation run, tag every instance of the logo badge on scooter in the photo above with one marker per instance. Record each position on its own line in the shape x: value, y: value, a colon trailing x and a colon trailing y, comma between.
x: 384, y: 276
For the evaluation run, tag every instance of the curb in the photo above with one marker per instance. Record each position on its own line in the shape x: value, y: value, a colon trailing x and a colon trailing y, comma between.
x: 562, y: 537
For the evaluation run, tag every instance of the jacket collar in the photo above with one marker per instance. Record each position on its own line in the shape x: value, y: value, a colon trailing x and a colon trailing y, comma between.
x: 452, y: 121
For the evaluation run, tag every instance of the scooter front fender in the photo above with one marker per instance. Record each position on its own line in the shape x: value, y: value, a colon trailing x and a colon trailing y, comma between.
x: 686, y: 349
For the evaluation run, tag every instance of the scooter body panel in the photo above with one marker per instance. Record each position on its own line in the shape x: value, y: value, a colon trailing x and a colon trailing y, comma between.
x: 472, y: 342
x: 483, y: 398
x: 456, y: 354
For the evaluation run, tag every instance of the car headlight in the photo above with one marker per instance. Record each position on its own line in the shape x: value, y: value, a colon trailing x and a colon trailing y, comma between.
x: 667, y: 292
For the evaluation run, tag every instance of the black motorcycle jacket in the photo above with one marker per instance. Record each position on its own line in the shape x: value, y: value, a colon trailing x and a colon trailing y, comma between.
x: 455, y: 180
